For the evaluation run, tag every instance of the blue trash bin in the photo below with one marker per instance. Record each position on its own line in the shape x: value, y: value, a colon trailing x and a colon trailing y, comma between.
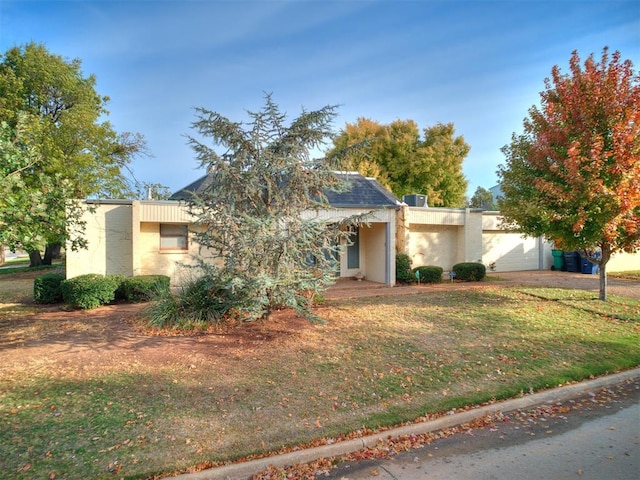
x: 588, y: 267
x: 572, y: 262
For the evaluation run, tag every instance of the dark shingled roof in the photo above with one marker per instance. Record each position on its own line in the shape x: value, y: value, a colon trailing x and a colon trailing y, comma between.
x: 360, y: 192
x: 196, y: 187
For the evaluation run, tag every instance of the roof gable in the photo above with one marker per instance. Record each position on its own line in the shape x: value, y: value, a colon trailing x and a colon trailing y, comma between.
x: 361, y: 192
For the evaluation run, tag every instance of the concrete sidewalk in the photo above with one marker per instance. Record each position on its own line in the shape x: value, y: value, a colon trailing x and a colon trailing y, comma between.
x: 246, y: 470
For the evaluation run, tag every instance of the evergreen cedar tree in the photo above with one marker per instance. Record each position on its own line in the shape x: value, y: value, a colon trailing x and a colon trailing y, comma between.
x: 574, y: 174
x: 55, y: 147
x: 253, y: 217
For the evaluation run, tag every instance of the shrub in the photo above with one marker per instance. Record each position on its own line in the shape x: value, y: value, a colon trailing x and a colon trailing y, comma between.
x: 46, y: 288
x: 469, y: 271
x: 91, y: 290
x: 142, y: 288
x: 403, y: 269
x: 429, y: 274
x: 200, y: 300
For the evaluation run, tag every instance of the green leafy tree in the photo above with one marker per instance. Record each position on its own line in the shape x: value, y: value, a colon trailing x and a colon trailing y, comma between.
x: 482, y: 198
x: 55, y: 116
x: 407, y: 163
x: 263, y: 245
x: 574, y: 174
x: 30, y: 200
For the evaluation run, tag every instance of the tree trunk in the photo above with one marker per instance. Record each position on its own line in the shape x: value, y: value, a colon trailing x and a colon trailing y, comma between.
x: 35, y: 259
x: 48, y: 256
x: 57, y: 249
x: 604, y: 259
x: 51, y: 251
x: 2, y: 257
x: 603, y: 282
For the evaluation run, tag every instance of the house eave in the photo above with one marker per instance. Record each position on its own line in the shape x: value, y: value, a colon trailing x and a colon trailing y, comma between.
x: 364, y: 207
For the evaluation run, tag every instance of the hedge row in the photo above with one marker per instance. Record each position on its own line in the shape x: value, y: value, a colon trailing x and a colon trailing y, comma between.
x: 142, y: 288
x: 404, y: 273
x: 465, y: 271
x: 407, y: 275
x: 428, y: 274
x: 469, y: 271
x: 92, y: 290
x: 46, y: 288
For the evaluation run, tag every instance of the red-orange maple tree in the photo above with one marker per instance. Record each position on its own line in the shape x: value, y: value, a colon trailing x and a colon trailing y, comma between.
x: 574, y: 174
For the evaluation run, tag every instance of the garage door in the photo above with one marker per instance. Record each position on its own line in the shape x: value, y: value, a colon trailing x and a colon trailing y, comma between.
x: 510, y: 251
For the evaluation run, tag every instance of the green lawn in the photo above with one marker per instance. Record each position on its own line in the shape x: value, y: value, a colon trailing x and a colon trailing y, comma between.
x: 373, y: 362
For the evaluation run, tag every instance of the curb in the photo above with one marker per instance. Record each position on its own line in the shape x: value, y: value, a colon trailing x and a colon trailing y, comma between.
x: 244, y: 471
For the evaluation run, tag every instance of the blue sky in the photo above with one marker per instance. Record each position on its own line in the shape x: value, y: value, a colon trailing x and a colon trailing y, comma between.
x: 479, y: 64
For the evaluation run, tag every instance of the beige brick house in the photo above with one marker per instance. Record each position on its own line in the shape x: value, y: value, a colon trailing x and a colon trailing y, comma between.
x: 133, y: 237
x: 140, y: 237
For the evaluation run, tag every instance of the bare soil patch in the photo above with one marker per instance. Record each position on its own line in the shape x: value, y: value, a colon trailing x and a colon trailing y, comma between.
x: 105, y: 338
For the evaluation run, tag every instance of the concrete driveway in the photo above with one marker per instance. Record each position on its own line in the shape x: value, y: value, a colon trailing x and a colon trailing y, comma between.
x: 580, y: 281
x: 539, y: 278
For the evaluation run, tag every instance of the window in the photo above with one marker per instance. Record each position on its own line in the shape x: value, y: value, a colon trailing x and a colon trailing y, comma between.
x: 173, y: 237
x: 353, y: 249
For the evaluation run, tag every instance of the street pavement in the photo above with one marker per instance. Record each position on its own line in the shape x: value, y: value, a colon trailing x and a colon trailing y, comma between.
x: 595, y: 441
x: 589, y: 430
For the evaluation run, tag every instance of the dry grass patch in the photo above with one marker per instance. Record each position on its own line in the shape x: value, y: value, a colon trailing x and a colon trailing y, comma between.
x: 629, y: 275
